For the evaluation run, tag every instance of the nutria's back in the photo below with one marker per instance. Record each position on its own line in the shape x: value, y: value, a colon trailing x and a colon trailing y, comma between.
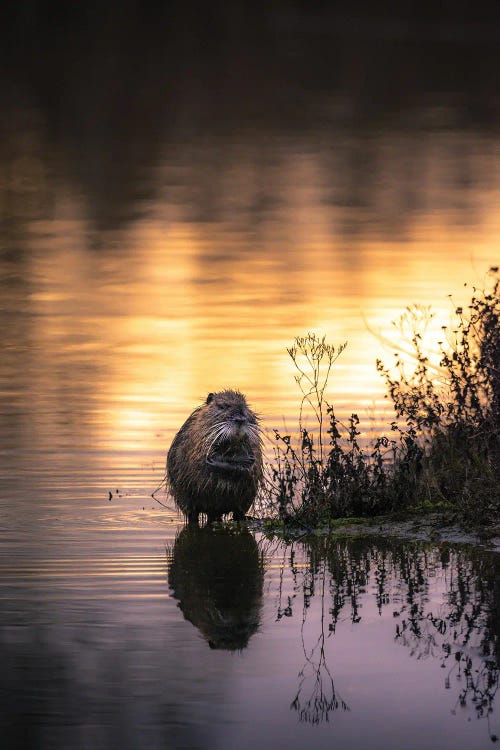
x: 215, y: 461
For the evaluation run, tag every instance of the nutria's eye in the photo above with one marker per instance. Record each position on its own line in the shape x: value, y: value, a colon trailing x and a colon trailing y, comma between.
x: 220, y: 405
x: 210, y: 398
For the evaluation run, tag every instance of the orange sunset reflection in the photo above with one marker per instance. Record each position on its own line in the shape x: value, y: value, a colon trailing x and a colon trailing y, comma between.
x: 138, y: 348
x: 218, y: 272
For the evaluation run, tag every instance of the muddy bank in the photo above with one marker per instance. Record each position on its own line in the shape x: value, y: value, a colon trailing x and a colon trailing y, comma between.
x: 433, y: 527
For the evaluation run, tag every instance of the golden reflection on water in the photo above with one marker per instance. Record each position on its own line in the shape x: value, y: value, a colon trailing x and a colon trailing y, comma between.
x: 129, y: 329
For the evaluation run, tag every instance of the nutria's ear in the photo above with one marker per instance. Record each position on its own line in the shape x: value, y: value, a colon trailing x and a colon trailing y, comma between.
x: 210, y: 398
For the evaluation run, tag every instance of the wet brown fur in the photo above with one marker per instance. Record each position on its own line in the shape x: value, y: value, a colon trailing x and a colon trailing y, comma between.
x: 214, y: 464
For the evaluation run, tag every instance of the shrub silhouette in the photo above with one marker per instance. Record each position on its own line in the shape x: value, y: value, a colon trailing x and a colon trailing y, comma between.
x: 445, y: 449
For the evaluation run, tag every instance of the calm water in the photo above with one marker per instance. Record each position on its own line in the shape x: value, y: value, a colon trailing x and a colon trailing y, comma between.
x: 222, y: 640
x: 175, y: 207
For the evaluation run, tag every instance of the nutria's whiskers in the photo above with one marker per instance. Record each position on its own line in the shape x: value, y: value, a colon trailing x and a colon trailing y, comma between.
x: 216, y: 435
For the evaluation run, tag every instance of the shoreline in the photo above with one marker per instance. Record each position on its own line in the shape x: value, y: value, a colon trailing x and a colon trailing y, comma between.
x: 432, y: 527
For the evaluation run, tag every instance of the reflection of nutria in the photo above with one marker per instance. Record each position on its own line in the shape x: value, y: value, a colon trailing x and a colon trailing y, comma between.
x: 215, y: 461
x: 217, y: 577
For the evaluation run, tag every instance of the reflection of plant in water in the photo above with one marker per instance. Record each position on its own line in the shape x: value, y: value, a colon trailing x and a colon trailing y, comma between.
x: 480, y: 687
x: 462, y: 633
x: 444, y: 602
x: 323, y: 697
x: 338, y: 580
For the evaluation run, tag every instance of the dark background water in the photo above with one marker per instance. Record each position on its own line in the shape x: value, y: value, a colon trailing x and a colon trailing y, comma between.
x: 114, y: 88
x: 183, y: 189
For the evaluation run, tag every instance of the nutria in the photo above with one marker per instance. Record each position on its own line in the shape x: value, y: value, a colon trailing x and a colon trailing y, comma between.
x: 215, y: 461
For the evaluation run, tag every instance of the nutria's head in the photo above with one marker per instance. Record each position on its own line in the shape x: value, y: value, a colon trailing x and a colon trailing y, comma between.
x: 231, y: 435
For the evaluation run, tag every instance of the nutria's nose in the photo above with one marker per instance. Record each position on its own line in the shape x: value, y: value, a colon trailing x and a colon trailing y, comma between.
x: 239, y: 419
